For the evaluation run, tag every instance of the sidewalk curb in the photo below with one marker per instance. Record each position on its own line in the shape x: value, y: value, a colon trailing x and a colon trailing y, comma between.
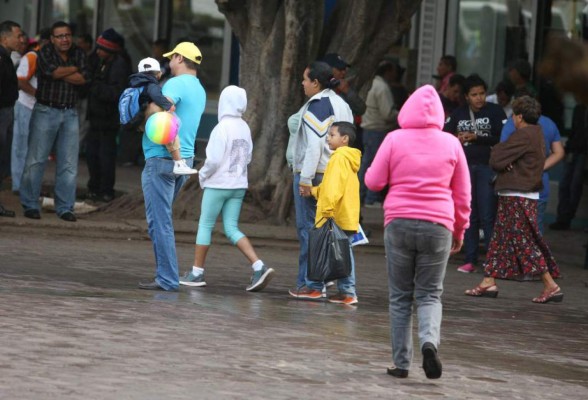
x: 137, y: 226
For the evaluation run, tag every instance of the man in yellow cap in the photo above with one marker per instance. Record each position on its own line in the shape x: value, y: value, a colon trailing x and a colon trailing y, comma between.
x: 160, y: 185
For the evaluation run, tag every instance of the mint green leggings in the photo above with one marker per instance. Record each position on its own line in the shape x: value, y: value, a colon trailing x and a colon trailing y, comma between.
x: 217, y: 201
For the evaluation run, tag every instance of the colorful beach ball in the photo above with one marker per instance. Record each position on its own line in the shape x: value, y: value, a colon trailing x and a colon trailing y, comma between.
x: 162, y: 127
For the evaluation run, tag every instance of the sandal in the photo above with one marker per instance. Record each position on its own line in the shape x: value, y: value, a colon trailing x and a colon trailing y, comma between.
x: 481, y: 291
x: 554, y: 295
x: 6, y: 213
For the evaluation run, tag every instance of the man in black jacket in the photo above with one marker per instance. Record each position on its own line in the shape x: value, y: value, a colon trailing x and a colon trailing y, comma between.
x: 109, y: 78
x: 11, y: 37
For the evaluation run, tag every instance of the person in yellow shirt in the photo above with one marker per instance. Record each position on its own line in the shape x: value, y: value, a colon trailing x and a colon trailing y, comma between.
x: 338, y: 197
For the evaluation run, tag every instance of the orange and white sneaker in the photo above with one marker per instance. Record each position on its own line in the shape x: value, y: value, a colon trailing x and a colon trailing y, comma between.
x: 342, y: 298
x: 305, y: 292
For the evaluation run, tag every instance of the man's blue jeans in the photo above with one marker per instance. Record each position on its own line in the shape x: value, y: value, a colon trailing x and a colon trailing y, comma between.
x: 371, y: 143
x: 20, y: 142
x: 160, y: 188
x: 305, y: 214
x: 48, y: 126
x: 483, y: 210
x: 416, y: 256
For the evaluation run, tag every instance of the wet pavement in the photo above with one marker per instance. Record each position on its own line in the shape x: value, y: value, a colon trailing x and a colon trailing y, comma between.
x: 73, y: 324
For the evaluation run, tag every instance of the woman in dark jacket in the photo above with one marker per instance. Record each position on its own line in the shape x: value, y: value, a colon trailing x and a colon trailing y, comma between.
x: 517, y: 247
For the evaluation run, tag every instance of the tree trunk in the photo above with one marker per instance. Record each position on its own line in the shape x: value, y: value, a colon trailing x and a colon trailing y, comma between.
x: 278, y: 39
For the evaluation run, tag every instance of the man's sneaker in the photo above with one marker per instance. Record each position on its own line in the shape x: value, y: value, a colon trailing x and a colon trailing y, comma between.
x: 189, y: 279
x: 329, y: 284
x: 305, y: 292
x: 342, y: 298
x: 467, y: 268
x: 260, y: 279
x: 181, y: 168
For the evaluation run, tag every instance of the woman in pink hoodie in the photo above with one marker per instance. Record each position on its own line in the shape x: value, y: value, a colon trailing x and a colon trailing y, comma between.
x: 426, y: 212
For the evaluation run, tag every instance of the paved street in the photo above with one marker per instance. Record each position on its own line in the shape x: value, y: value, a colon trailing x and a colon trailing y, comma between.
x: 73, y: 325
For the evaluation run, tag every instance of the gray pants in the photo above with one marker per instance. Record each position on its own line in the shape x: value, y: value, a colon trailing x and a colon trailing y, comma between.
x: 417, y: 252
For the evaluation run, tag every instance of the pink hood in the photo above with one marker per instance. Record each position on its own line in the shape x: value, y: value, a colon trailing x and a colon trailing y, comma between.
x: 423, y: 109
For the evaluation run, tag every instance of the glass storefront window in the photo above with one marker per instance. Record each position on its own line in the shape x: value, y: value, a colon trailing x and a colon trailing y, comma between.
x: 570, y: 18
x: 78, y: 13
x: 135, y: 21
x: 201, y: 22
x: 491, y: 34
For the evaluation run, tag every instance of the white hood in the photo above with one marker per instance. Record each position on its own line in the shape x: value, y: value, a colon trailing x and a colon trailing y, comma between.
x: 229, y: 147
x: 232, y: 102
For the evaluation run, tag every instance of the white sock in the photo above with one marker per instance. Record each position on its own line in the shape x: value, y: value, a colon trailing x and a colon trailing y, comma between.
x: 257, y: 265
x: 197, y: 270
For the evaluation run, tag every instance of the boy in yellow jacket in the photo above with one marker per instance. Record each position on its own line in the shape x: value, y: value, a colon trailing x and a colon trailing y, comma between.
x: 338, y: 197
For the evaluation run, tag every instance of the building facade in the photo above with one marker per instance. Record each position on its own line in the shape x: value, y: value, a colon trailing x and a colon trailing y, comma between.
x: 484, y: 35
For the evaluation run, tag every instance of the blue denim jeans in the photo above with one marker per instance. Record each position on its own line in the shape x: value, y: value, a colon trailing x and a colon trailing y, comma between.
x: 20, y: 142
x: 160, y: 188
x: 484, y: 204
x: 347, y: 285
x: 416, y: 256
x: 305, y: 208
x: 51, y: 126
x: 371, y: 143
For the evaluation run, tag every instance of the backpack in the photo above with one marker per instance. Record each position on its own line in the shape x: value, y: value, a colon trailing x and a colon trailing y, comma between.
x: 129, y: 105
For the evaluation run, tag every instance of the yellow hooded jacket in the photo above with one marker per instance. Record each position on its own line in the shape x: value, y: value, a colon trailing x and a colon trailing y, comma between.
x: 338, y: 194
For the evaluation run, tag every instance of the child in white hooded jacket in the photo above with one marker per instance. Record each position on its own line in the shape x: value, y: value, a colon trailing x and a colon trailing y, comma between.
x: 224, y: 180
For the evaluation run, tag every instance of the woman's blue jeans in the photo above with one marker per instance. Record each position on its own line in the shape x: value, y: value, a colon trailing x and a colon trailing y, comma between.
x: 305, y: 214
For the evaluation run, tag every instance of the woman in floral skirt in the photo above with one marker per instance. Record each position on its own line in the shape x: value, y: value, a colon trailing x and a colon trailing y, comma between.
x: 517, y: 247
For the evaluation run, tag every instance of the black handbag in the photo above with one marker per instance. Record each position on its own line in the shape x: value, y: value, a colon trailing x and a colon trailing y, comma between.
x: 329, y: 253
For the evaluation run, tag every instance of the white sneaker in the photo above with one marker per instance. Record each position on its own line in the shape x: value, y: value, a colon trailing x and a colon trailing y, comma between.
x: 181, y: 168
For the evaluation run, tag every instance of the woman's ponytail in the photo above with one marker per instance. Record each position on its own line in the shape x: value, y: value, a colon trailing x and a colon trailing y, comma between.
x: 323, y: 73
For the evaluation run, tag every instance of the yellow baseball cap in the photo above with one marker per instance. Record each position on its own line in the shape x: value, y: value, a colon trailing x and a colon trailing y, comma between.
x: 188, y: 50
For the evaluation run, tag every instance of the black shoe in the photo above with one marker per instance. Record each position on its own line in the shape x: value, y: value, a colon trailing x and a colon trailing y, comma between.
x: 32, y: 213
x: 91, y: 196
x: 431, y: 362
x: 68, y: 216
x: 6, y: 213
x: 559, y: 226
x: 150, y: 285
x: 397, y: 372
